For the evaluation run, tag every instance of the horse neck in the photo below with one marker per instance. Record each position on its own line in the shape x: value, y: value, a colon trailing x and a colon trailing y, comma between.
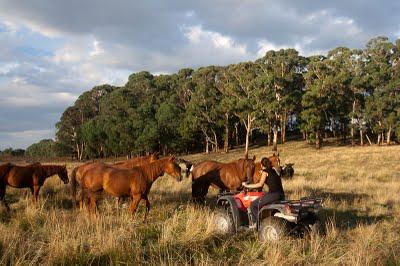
x: 49, y: 170
x: 154, y: 170
x: 239, y: 165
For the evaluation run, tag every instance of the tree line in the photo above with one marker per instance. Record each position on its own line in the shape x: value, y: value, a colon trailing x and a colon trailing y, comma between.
x: 351, y: 94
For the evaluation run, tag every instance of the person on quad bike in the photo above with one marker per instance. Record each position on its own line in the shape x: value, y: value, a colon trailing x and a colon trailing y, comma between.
x: 275, y: 189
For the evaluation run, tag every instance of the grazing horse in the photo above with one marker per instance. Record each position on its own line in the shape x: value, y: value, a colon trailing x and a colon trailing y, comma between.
x: 31, y: 176
x: 225, y: 176
x: 275, y: 165
x: 79, y: 171
x: 134, y: 183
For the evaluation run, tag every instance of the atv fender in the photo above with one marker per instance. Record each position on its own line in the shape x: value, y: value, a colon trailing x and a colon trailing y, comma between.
x: 230, y: 204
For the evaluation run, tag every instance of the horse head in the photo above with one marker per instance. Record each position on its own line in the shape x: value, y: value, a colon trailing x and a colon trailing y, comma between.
x: 275, y: 163
x: 249, y: 167
x: 186, y: 167
x: 63, y: 174
x: 173, y: 169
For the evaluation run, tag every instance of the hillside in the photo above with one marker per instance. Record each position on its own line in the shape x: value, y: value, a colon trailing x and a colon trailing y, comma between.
x: 361, y: 188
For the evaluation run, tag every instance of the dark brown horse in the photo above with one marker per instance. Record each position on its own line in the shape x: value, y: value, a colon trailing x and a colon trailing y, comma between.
x: 225, y: 176
x: 30, y: 176
x: 275, y: 165
x: 134, y: 183
x: 79, y: 171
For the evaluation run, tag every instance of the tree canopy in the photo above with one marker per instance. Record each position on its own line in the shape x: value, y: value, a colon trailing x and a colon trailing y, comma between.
x: 347, y: 93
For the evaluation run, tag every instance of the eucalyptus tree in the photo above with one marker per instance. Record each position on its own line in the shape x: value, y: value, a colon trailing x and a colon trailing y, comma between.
x: 281, y: 71
x: 86, y: 107
x: 203, y: 109
x: 380, y: 55
x: 243, y: 89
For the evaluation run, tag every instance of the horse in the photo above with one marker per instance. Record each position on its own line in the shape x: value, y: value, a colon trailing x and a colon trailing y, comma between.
x: 79, y: 171
x: 225, y: 176
x: 31, y: 176
x: 134, y: 183
x: 275, y: 165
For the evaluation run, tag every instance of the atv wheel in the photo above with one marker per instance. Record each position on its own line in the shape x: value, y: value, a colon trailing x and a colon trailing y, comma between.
x: 272, y: 229
x: 223, y: 222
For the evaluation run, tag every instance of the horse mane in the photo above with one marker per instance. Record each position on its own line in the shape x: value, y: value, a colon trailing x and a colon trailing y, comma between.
x: 136, y: 161
x: 153, y: 170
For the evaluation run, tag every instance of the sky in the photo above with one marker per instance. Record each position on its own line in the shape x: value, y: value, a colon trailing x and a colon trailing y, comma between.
x: 53, y: 50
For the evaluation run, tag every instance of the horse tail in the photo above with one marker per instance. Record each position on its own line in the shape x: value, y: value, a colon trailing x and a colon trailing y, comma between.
x: 74, y: 183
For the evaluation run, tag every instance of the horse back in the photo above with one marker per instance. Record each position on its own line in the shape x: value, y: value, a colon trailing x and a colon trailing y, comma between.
x: 204, y: 168
x: 22, y: 176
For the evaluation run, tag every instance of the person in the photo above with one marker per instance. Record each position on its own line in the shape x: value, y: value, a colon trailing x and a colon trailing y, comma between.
x: 275, y: 189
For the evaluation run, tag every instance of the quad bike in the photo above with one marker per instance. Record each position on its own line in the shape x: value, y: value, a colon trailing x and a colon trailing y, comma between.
x: 274, y: 221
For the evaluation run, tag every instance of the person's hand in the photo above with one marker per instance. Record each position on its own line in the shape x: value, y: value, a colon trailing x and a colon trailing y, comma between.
x: 244, y: 184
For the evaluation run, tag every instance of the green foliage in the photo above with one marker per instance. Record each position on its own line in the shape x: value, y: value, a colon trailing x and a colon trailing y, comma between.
x: 44, y: 148
x: 194, y: 109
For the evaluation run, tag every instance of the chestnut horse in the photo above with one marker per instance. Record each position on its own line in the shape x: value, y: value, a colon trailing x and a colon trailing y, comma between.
x: 79, y: 171
x: 31, y: 176
x: 225, y: 176
x: 134, y: 183
x: 275, y: 164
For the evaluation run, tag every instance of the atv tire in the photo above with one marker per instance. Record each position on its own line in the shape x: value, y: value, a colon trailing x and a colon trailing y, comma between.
x: 224, y: 222
x: 272, y: 229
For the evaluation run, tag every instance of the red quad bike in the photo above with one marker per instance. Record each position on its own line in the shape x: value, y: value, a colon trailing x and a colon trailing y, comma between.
x: 275, y: 220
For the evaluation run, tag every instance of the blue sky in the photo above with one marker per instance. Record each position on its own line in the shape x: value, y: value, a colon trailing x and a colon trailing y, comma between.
x: 51, y: 51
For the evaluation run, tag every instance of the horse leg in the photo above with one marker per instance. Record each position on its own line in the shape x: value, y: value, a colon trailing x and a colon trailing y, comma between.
x: 93, y: 204
x: 135, y: 199
x: 147, y: 207
x: 35, y: 193
x: 3, y: 196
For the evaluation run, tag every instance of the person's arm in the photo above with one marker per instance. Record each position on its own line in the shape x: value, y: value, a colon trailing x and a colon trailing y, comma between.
x: 259, y: 184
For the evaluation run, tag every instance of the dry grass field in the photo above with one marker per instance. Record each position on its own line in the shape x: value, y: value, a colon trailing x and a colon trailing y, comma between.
x: 360, y: 185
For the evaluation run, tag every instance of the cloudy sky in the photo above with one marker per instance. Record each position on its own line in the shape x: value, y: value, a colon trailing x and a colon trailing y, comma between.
x: 53, y: 50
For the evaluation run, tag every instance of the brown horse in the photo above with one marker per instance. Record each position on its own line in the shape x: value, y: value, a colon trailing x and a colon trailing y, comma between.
x: 225, y: 176
x: 30, y: 176
x: 134, y: 183
x: 275, y: 164
x: 79, y: 171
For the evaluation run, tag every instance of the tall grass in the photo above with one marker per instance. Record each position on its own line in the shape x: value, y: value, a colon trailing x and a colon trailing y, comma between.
x: 361, y: 188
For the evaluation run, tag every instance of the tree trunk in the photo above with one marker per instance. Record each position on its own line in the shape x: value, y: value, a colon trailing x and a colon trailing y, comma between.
x: 77, y: 151
x: 378, y: 142
x: 304, y: 135
x: 269, y: 138
x: 383, y: 138
x: 388, y: 136
x: 352, y: 123
x: 361, y: 138
x: 317, y: 140
x: 226, y: 141
x: 215, y: 142
x: 207, y: 146
x: 248, y: 131
x: 369, y: 141
x: 275, y: 140
x: 283, y: 128
x: 237, y: 134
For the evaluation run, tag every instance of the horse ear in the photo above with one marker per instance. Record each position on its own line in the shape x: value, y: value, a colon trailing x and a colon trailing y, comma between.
x: 246, y: 156
x: 277, y: 154
x: 254, y: 158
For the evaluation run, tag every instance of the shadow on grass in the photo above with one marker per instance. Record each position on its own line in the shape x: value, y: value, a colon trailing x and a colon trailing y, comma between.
x: 349, y: 198
x: 346, y: 219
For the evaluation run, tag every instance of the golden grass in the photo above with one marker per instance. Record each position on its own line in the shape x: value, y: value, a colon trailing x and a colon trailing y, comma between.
x: 361, y: 187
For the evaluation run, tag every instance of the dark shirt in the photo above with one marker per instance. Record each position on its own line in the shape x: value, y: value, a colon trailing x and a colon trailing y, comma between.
x: 273, y: 182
